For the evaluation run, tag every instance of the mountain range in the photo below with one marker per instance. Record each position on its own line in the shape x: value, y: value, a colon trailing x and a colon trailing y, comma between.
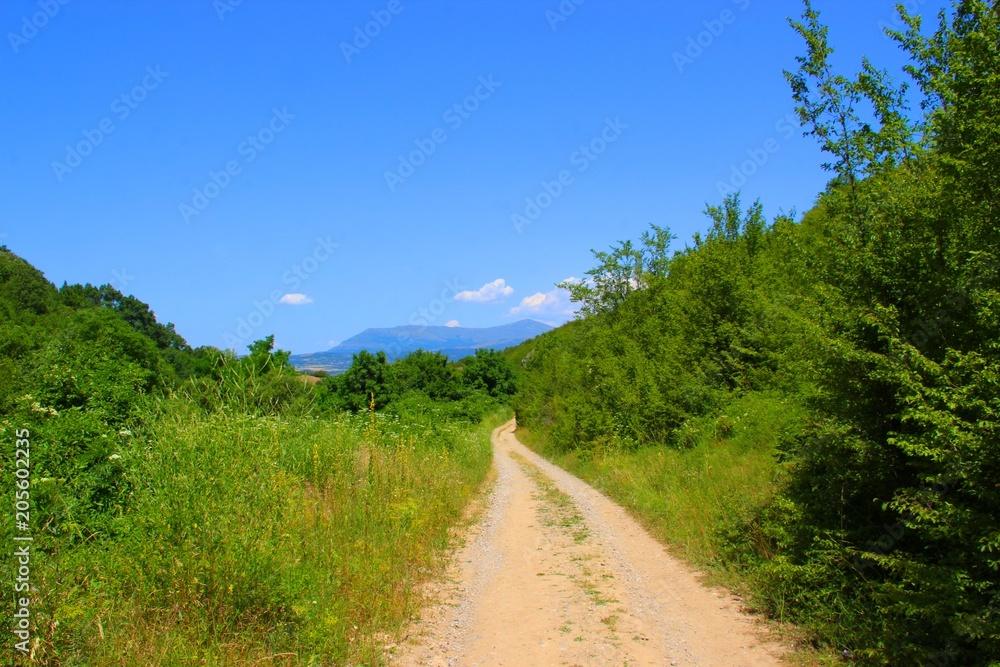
x: 453, y: 342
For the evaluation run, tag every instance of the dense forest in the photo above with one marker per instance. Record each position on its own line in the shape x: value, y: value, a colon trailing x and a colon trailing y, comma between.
x: 192, y: 506
x: 847, y: 360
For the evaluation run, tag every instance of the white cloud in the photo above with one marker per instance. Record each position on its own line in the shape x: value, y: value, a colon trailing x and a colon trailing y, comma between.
x: 451, y: 323
x: 295, y: 300
x: 494, y: 291
x: 535, y: 302
x: 555, y: 305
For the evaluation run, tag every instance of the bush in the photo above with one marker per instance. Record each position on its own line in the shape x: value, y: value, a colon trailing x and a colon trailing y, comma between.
x: 489, y: 371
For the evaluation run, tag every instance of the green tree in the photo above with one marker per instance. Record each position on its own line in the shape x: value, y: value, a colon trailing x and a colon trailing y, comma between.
x: 263, y: 358
x: 894, y: 470
x: 489, y: 371
x: 622, y: 270
x: 24, y: 291
x: 134, y: 312
x: 426, y: 372
x: 369, y: 378
x: 829, y: 106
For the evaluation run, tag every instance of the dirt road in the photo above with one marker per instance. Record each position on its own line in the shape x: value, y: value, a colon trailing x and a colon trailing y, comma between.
x: 554, y: 573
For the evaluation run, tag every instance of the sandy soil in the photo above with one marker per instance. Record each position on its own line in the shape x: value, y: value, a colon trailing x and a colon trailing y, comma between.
x: 554, y: 573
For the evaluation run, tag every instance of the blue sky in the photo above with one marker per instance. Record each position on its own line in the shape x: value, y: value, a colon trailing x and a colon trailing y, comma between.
x: 261, y: 167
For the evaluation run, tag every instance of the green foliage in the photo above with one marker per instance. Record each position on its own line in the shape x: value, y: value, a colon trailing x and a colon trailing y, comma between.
x: 828, y: 105
x: 136, y: 313
x: 189, y: 504
x: 81, y: 395
x: 877, y: 313
x: 489, y: 371
x: 707, y: 324
x: 260, y: 383
x: 247, y: 537
x: 473, y: 407
x: 473, y: 386
x: 174, y: 349
x: 622, y: 271
x: 25, y: 294
x: 426, y: 372
x: 368, y: 382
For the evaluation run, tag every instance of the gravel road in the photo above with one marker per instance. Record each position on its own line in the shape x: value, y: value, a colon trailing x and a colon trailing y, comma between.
x: 555, y: 573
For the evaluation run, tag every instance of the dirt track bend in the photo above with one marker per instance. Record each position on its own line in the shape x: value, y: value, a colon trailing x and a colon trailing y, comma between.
x: 554, y: 573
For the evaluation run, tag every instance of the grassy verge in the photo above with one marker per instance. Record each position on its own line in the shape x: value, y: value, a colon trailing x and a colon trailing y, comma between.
x: 689, y: 498
x: 269, y: 541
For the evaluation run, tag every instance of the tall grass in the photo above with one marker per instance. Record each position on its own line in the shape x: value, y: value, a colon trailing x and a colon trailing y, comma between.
x: 261, y: 540
x: 695, y: 497
x: 706, y: 499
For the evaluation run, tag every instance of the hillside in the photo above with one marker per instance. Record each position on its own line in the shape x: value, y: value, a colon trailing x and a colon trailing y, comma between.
x: 396, y: 342
x: 170, y: 478
x: 811, y: 406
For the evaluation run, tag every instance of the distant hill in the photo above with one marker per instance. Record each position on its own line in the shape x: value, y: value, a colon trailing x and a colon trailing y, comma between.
x: 454, y: 342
